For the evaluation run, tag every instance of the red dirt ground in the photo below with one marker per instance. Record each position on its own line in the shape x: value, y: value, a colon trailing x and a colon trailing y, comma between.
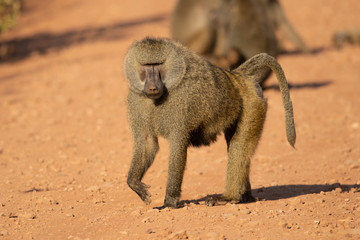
x: 65, y: 144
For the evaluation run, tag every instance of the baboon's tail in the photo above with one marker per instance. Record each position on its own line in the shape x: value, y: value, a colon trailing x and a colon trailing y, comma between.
x: 256, y: 65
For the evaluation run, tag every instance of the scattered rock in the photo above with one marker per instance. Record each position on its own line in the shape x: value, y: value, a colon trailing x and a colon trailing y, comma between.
x: 212, y: 235
x: 355, y: 233
x: 229, y: 215
x: 281, y: 211
x: 355, y: 125
x: 146, y: 220
x: 47, y: 200
x: 97, y: 201
x: 93, y: 189
x: 153, y: 210
x: 178, y: 235
x: 246, y: 211
x: 136, y: 213
x: 283, y: 224
x: 13, y: 215
x: 235, y: 207
x: 335, y: 183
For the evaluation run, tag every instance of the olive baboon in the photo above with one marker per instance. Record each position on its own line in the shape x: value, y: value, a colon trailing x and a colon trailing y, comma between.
x: 282, y: 26
x: 228, y: 32
x: 177, y: 94
x: 194, y: 24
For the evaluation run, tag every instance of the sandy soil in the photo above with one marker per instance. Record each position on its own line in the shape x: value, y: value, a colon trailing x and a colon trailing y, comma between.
x: 65, y: 144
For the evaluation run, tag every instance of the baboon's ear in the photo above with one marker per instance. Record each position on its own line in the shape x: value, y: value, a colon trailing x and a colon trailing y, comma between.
x: 175, y: 68
x: 132, y: 71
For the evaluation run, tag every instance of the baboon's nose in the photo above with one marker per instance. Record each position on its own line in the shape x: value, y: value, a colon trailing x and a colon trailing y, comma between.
x: 153, y: 90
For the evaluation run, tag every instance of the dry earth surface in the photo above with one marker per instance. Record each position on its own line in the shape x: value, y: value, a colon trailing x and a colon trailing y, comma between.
x: 65, y: 144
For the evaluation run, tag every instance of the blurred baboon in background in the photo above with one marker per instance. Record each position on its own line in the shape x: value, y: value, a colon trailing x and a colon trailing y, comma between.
x: 193, y: 24
x: 228, y: 32
x: 351, y: 36
x: 244, y: 29
x: 282, y: 26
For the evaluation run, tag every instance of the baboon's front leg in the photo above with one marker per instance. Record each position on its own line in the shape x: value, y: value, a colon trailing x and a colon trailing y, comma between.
x: 145, y: 149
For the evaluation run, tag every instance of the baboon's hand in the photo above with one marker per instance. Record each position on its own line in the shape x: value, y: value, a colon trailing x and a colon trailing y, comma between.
x: 145, y: 194
x: 141, y: 190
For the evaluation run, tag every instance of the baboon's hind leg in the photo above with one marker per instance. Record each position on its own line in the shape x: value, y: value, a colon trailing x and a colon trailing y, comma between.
x: 241, y: 147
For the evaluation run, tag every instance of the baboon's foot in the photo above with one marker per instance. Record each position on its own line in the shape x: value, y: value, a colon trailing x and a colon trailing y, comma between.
x: 223, y: 200
x: 171, y: 202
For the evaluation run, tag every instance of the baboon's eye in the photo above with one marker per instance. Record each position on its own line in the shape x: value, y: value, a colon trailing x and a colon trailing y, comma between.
x: 162, y: 73
x: 142, y: 75
x: 153, y: 70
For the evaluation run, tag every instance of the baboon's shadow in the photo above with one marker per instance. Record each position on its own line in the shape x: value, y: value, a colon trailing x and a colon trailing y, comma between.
x: 290, y: 191
x: 42, y: 43
x: 314, y: 85
x: 313, y: 51
x: 274, y: 193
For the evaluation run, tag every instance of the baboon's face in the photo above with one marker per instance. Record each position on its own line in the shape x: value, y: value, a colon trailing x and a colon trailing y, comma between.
x: 153, y: 75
